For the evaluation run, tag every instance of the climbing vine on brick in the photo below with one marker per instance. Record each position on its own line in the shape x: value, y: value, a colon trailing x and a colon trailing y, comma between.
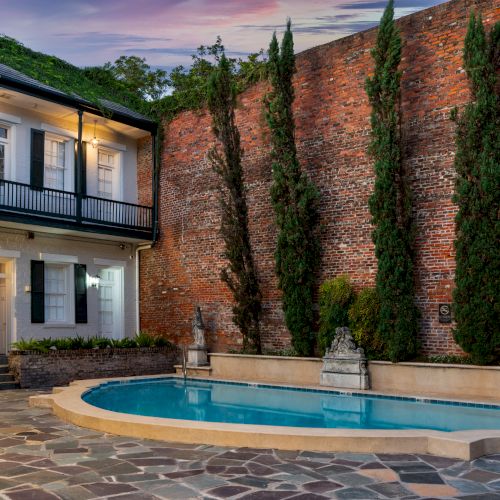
x: 477, y: 194
x: 294, y: 199
x: 240, y: 276
x: 390, y: 203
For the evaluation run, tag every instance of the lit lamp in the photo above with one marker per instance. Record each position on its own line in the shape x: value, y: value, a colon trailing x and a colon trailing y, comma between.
x: 95, y: 140
x: 94, y: 281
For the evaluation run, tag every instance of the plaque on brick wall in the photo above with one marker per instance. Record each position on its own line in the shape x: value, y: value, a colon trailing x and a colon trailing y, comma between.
x: 445, y: 313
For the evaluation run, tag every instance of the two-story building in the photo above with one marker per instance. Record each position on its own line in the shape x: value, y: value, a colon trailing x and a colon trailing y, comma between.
x: 71, y: 224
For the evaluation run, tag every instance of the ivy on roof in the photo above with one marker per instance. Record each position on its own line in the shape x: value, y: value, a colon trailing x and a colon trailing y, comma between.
x: 93, y: 83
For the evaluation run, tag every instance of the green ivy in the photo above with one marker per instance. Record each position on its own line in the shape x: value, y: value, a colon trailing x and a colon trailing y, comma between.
x: 188, y: 87
x: 240, y: 276
x: 390, y: 203
x: 477, y: 193
x: 92, y: 84
x: 335, y: 297
x: 294, y: 198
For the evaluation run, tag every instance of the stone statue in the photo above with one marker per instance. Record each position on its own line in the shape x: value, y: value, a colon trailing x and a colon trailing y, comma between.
x: 343, y: 344
x: 344, y: 364
x: 198, y: 329
x: 197, y: 351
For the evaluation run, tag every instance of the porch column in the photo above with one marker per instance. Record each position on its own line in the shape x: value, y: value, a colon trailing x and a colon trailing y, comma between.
x: 78, y: 168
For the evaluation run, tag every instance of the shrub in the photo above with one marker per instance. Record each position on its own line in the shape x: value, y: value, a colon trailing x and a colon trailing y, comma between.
x: 294, y: 198
x: 363, y: 320
x: 142, y: 339
x: 390, y: 203
x: 240, y: 274
x: 477, y: 194
x: 335, y: 297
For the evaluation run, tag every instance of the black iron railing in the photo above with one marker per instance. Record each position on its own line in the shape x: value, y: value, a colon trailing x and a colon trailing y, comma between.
x: 16, y: 197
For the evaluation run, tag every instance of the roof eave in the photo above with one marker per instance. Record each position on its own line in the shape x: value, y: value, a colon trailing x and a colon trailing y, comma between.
x: 76, y: 103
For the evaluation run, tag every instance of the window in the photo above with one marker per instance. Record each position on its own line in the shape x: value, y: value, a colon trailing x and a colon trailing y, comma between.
x: 57, y: 291
x: 55, y: 162
x: 4, y: 150
x: 106, y: 163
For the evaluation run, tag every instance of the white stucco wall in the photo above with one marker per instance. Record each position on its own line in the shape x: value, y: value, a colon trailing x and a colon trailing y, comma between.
x: 20, y: 157
x: 86, y: 250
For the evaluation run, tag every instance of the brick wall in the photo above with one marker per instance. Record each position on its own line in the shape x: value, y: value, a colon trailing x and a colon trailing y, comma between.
x: 33, y: 369
x: 332, y: 118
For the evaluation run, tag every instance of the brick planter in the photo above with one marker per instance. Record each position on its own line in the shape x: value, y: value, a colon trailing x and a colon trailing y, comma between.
x: 34, y: 369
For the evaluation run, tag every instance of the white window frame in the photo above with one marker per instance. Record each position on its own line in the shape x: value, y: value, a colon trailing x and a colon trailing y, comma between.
x: 69, y: 295
x: 8, y: 145
x: 116, y: 172
x: 69, y: 160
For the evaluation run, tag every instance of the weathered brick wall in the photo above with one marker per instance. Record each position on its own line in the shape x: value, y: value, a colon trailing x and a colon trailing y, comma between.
x: 32, y: 369
x: 144, y: 163
x: 332, y: 117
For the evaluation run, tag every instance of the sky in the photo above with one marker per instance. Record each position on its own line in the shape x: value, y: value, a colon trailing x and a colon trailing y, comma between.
x: 167, y: 32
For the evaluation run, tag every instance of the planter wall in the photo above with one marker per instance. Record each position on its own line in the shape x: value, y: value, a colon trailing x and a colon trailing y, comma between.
x: 33, y: 369
x: 450, y: 381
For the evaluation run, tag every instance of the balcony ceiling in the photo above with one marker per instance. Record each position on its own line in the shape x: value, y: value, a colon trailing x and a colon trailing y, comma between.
x: 68, y: 115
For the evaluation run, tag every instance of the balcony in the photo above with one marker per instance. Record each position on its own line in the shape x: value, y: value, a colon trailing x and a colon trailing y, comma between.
x: 62, y: 209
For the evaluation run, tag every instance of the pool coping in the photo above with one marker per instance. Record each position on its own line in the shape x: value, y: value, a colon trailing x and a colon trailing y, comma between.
x: 67, y: 404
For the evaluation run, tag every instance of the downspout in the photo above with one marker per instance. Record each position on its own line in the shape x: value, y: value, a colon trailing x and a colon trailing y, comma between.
x: 155, y: 144
x: 155, y: 187
x: 138, y: 249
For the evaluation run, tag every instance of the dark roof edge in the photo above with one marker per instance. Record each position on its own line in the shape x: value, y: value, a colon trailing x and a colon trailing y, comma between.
x: 77, y: 103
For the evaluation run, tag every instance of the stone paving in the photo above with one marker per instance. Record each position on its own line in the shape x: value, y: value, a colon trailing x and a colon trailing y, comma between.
x: 43, y: 458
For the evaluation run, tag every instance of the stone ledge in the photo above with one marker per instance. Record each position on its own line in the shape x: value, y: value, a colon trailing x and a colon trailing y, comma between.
x: 194, y: 371
x: 465, y: 445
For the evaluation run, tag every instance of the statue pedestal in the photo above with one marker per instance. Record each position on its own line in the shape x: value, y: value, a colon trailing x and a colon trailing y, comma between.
x: 344, y: 365
x: 345, y: 372
x: 197, y: 355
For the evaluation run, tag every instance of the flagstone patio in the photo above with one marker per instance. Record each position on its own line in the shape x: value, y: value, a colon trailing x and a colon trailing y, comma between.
x: 42, y: 457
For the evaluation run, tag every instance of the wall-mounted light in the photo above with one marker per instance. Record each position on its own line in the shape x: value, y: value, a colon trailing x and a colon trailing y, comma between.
x: 95, y: 140
x: 94, y: 281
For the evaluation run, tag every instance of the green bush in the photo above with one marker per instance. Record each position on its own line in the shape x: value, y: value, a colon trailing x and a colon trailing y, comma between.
x: 142, y: 339
x: 363, y: 320
x: 335, y: 297
x: 294, y: 198
x: 477, y: 163
x: 391, y: 201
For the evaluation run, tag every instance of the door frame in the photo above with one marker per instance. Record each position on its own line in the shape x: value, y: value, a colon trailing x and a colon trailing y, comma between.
x: 9, y: 259
x: 118, y: 294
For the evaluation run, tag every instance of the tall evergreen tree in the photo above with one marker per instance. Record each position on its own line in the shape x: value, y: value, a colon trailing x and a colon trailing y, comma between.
x: 240, y: 276
x: 477, y: 194
x: 294, y: 198
x: 390, y: 203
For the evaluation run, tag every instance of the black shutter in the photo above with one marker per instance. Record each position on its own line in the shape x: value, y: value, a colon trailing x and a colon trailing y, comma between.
x: 37, y: 291
x: 80, y: 293
x: 81, y: 176
x: 37, y: 157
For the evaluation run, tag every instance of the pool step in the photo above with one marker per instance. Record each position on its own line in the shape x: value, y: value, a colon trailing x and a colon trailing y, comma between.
x: 7, y: 380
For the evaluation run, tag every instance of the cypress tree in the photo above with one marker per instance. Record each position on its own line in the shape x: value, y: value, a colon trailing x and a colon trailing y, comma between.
x: 294, y: 198
x: 240, y: 276
x: 477, y: 194
x: 390, y: 203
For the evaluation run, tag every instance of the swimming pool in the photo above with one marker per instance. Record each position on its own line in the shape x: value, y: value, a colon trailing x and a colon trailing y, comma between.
x: 260, y: 404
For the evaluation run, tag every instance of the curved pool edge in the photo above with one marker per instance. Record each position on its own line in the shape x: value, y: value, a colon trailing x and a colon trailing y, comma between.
x: 67, y: 404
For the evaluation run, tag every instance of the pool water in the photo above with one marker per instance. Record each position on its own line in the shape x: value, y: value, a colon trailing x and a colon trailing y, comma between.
x: 240, y: 403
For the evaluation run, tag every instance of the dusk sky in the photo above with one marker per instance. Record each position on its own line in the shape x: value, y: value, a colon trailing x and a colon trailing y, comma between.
x: 167, y: 32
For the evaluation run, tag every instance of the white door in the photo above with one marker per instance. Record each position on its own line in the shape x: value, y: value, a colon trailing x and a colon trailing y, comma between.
x: 111, y: 303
